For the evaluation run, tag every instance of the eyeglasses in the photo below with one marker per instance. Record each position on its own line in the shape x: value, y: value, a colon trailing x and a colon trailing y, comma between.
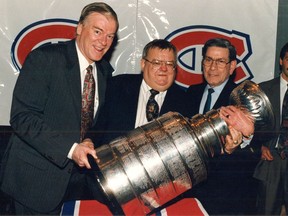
x: 156, y: 64
x: 221, y: 63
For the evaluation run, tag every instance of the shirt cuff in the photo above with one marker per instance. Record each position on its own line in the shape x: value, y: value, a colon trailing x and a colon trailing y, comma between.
x: 71, y: 151
x: 246, y: 141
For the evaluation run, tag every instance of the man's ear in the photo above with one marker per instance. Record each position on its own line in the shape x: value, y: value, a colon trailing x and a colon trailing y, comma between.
x: 232, y: 66
x: 142, y: 64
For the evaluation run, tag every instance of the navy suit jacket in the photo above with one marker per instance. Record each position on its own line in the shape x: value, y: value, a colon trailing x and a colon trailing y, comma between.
x: 46, y: 119
x: 227, y: 173
x: 118, y: 115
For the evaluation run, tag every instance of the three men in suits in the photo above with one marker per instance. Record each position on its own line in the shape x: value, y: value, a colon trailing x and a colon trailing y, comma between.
x: 271, y: 171
x: 43, y: 161
x: 128, y: 94
x: 220, y: 194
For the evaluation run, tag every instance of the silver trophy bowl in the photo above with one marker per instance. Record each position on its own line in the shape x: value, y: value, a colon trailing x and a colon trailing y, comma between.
x: 251, y: 97
x: 156, y: 162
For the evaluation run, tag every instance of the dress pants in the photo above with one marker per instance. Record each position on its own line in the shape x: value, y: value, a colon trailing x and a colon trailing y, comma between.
x: 82, y: 186
x: 230, y: 188
x: 273, y: 193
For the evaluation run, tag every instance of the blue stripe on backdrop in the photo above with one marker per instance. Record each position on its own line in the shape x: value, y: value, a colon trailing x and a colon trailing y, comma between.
x: 68, y: 208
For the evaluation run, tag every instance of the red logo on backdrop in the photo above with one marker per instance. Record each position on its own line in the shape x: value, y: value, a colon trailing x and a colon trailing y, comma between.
x: 38, y: 34
x: 189, y: 42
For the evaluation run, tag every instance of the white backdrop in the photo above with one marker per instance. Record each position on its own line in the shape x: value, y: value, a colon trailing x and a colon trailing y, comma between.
x: 251, y: 25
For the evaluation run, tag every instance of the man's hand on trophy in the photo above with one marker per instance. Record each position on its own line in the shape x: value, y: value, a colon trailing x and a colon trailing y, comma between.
x: 232, y: 140
x: 81, y: 152
x: 239, y: 119
x: 88, y: 142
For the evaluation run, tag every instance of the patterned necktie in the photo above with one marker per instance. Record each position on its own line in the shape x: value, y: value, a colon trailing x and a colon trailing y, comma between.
x: 88, y: 97
x: 283, y: 138
x: 152, y: 108
x: 208, y: 101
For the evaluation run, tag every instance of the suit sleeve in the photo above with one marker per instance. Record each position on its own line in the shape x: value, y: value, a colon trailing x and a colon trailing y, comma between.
x: 34, y: 101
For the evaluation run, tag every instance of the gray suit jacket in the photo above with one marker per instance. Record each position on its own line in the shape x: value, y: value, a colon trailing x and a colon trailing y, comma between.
x: 264, y: 169
x: 45, y: 117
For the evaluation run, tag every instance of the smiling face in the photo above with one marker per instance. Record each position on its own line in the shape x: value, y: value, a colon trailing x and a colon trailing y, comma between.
x: 159, y: 77
x: 215, y: 75
x: 95, y: 35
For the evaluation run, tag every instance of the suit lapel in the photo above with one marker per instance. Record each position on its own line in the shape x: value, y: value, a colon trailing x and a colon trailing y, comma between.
x: 277, y: 103
x: 273, y: 93
x: 195, y: 94
x: 132, y: 91
x: 169, y: 100
x: 223, y: 99
x: 101, y: 83
x: 73, y: 77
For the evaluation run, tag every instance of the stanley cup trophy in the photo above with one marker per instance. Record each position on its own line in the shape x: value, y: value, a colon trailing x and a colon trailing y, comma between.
x: 156, y: 162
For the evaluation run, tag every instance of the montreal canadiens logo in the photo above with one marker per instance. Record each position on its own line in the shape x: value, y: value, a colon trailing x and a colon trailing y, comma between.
x: 189, y: 42
x: 38, y: 34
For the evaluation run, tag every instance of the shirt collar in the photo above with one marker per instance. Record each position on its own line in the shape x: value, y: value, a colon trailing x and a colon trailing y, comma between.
x: 283, y: 82
x: 147, y: 88
x: 217, y: 89
x: 83, y: 63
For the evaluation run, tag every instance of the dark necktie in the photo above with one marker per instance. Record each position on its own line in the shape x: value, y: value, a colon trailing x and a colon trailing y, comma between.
x: 283, y: 139
x: 88, y: 97
x: 152, y: 108
x: 207, y: 106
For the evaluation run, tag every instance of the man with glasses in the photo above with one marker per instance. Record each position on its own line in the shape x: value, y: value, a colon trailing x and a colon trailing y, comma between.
x: 228, y: 188
x: 130, y: 103
x: 219, y: 63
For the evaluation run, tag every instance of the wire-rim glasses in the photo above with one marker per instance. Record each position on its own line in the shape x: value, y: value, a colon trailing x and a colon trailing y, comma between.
x: 220, y: 63
x: 156, y: 64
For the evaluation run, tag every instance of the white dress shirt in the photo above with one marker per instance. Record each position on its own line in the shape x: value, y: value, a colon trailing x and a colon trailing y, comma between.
x: 283, y: 88
x: 214, y: 95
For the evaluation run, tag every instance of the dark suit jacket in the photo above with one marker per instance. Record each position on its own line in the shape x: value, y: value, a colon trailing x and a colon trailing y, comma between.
x: 119, y: 112
x: 266, y: 170
x: 45, y: 116
x: 195, y: 93
x: 227, y: 174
